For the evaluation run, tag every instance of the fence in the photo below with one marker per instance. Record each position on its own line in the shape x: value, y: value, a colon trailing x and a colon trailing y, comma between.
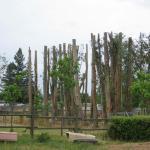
x: 36, y: 122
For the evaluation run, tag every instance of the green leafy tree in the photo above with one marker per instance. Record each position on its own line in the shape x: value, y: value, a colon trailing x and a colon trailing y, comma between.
x: 9, y: 76
x: 38, y: 101
x: 141, y: 90
x: 64, y: 72
x: 10, y: 94
x: 21, y: 74
x: 19, y: 61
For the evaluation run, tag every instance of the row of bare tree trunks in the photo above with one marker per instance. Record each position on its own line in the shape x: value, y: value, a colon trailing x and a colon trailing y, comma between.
x: 106, y: 77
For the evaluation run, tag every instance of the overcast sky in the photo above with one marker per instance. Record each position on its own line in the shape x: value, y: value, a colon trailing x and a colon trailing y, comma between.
x: 36, y: 23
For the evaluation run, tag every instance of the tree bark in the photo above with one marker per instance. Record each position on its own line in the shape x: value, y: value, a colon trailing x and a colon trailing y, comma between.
x: 54, y: 85
x: 107, y: 82
x: 128, y: 75
x: 77, y: 99
x: 93, y: 86
x: 31, y: 100
x: 86, y: 80
x: 45, y: 81
x: 35, y: 74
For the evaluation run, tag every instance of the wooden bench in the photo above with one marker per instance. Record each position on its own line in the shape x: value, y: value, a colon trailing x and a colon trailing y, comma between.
x: 79, y: 137
x: 8, y: 136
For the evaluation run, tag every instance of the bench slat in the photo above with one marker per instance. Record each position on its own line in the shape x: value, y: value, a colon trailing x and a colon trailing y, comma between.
x: 8, y: 136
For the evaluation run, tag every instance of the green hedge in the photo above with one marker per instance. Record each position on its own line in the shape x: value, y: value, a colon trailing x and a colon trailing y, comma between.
x: 132, y: 128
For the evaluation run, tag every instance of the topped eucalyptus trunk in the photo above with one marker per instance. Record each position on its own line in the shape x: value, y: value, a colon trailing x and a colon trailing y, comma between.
x: 77, y: 99
x: 107, y: 81
x: 93, y: 86
x: 45, y: 81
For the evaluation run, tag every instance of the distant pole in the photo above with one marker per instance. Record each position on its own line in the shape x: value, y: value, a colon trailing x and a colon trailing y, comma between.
x: 48, y: 71
x: 77, y: 99
x: 106, y: 102
x: 31, y: 101
x: 35, y: 79
x: 86, y: 58
x: 45, y: 79
x: 60, y: 51
x: 35, y: 74
x: 93, y: 81
x: 64, y: 49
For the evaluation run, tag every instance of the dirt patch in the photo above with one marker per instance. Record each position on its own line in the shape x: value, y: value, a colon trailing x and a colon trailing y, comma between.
x: 130, y: 146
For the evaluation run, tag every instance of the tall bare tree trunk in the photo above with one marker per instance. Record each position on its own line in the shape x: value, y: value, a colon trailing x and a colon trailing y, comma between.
x: 86, y: 77
x: 77, y: 99
x: 112, y: 72
x: 54, y: 85
x: 64, y: 49
x: 31, y: 100
x: 35, y: 77
x: 61, y: 88
x: 93, y: 86
x: 66, y: 109
x: 30, y: 81
x: 48, y: 71
x: 101, y: 76
x: 45, y: 81
x: 116, y: 70
x: 35, y: 73
x: 99, y: 68
x: 119, y: 75
x: 128, y: 103
x: 107, y: 82
x: 60, y: 51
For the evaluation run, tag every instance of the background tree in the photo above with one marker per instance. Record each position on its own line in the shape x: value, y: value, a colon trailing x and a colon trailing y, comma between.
x: 18, y: 70
x: 10, y: 93
x: 21, y: 70
x: 9, y: 76
x: 64, y: 71
x: 141, y: 90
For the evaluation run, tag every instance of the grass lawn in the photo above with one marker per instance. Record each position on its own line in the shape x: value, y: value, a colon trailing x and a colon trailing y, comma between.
x: 57, y: 142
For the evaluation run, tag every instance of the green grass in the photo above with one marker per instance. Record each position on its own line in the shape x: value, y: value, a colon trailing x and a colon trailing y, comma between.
x: 56, y: 142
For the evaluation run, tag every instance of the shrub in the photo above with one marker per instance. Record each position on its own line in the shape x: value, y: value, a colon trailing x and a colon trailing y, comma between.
x: 43, y: 137
x: 132, y: 128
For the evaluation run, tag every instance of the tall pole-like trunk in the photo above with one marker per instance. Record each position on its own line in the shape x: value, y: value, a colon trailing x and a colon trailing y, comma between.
x: 107, y: 82
x: 30, y: 81
x: 93, y: 86
x: 54, y: 84
x: 61, y: 94
x: 69, y: 50
x: 77, y: 100
x: 31, y: 100
x: 35, y: 77
x: 60, y: 51
x: 101, y: 76
x: 66, y: 109
x: 45, y: 82
x: 119, y: 75
x: 48, y: 71
x: 64, y: 49
x: 116, y: 70
x: 99, y: 69
x: 35, y: 73
x: 86, y: 79
x: 128, y: 103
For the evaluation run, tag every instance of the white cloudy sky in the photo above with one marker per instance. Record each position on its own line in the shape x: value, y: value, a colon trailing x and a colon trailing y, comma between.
x: 36, y: 23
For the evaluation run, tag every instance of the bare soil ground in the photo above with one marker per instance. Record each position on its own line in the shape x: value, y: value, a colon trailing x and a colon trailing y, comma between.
x: 130, y: 146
